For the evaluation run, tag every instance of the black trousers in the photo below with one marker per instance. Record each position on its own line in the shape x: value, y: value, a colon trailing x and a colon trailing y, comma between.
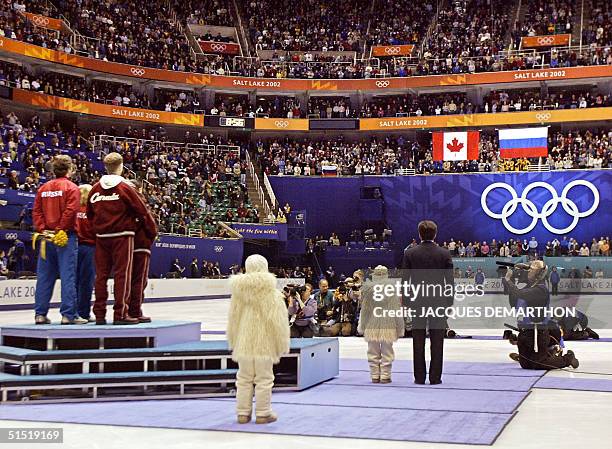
x: 437, y: 329
x: 544, y: 361
x: 301, y: 331
x: 555, y: 289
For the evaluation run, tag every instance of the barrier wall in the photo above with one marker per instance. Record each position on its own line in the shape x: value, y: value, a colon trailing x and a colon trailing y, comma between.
x: 106, y: 110
x: 455, y: 202
x: 229, y: 82
x: 227, y: 252
x: 16, y: 293
x: 165, y: 249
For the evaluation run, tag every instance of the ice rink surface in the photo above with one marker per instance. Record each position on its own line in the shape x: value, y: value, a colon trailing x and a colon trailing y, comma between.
x: 546, y: 419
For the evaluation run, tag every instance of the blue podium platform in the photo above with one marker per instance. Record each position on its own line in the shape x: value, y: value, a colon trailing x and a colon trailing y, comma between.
x: 163, y: 359
x: 92, y: 336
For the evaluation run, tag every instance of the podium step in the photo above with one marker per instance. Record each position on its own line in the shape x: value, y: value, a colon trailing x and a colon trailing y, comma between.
x: 91, y: 336
x: 125, y: 385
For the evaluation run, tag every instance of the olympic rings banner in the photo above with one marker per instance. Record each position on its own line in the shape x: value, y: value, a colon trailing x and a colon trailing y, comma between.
x: 45, y: 22
x: 468, y: 207
x: 517, y: 205
x: 392, y: 50
x: 281, y: 124
x: 283, y: 84
x: 226, y: 48
x: 545, y: 41
x: 106, y: 110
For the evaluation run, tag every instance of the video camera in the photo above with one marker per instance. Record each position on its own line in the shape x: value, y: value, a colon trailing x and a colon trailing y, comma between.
x: 293, y: 290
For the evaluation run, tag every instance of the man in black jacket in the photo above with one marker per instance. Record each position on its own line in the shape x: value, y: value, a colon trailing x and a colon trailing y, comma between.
x: 430, y: 266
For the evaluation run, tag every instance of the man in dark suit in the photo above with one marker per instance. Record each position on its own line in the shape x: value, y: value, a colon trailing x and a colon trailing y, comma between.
x: 430, y: 266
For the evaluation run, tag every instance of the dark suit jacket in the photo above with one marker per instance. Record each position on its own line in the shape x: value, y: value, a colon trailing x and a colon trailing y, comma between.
x: 429, y: 264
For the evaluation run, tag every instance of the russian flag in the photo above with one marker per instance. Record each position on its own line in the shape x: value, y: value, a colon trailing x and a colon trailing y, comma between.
x: 523, y: 142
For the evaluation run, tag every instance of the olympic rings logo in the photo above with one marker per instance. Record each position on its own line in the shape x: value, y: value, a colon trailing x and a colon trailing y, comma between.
x: 40, y: 21
x: 137, y: 71
x: 546, y: 40
x: 281, y: 123
x: 220, y: 48
x: 218, y: 249
x: 10, y: 236
x: 392, y: 50
x: 384, y: 83
x: 547, y: 210
x: 543, y: 116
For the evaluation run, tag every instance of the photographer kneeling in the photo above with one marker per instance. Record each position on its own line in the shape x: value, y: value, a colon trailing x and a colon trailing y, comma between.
x: 539, y: 339
x: 302, y: 309
x: 343, y: 314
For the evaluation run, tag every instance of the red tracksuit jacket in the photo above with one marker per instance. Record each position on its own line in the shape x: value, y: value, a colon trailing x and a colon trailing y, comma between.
x: 83, y: 228
x: 115, y: 209
x: 143, y: 238
x: 56, y: 205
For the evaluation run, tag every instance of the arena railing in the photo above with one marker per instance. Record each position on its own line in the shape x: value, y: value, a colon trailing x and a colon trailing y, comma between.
x: 538, y: 167
x: 499, y: 172
x: 260, y: 194
x: 102, y: 140
x: 270, y: 191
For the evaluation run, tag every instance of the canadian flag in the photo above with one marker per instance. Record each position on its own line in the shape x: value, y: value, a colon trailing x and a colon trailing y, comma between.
x: 459, y: 146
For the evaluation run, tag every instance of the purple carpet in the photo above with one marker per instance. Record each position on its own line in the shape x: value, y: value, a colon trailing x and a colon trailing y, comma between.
x: 458, y: 368
x: 564, y: 383
x: 426, y: 398
x: 451, y: 381
x: 312, y: 420
x: 472, y: 406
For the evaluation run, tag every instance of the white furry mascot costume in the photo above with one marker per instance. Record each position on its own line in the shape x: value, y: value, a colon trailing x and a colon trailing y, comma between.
x: 258, y: 334
x: 379, y: 331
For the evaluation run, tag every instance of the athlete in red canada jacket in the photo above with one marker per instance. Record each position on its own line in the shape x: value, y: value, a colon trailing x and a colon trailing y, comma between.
x: 116, y: 211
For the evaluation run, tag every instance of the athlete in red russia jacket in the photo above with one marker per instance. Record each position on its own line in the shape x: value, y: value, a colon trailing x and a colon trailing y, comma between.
x: 84, y: 229
x: 56, y: 205
x: 115, y: 209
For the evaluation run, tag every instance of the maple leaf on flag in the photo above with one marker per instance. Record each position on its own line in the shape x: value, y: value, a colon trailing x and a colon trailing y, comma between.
x: 454, y: 146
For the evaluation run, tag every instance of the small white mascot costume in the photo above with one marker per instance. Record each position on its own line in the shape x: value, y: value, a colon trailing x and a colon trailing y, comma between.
x: 257, y: 334
x: 380, y: 331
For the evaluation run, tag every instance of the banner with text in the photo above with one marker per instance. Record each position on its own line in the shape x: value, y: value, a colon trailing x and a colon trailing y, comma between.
x: 106, y: 110
x: 276, y: 231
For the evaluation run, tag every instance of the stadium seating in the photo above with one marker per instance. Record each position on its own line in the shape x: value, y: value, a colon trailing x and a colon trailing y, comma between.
x: 330, y: 41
